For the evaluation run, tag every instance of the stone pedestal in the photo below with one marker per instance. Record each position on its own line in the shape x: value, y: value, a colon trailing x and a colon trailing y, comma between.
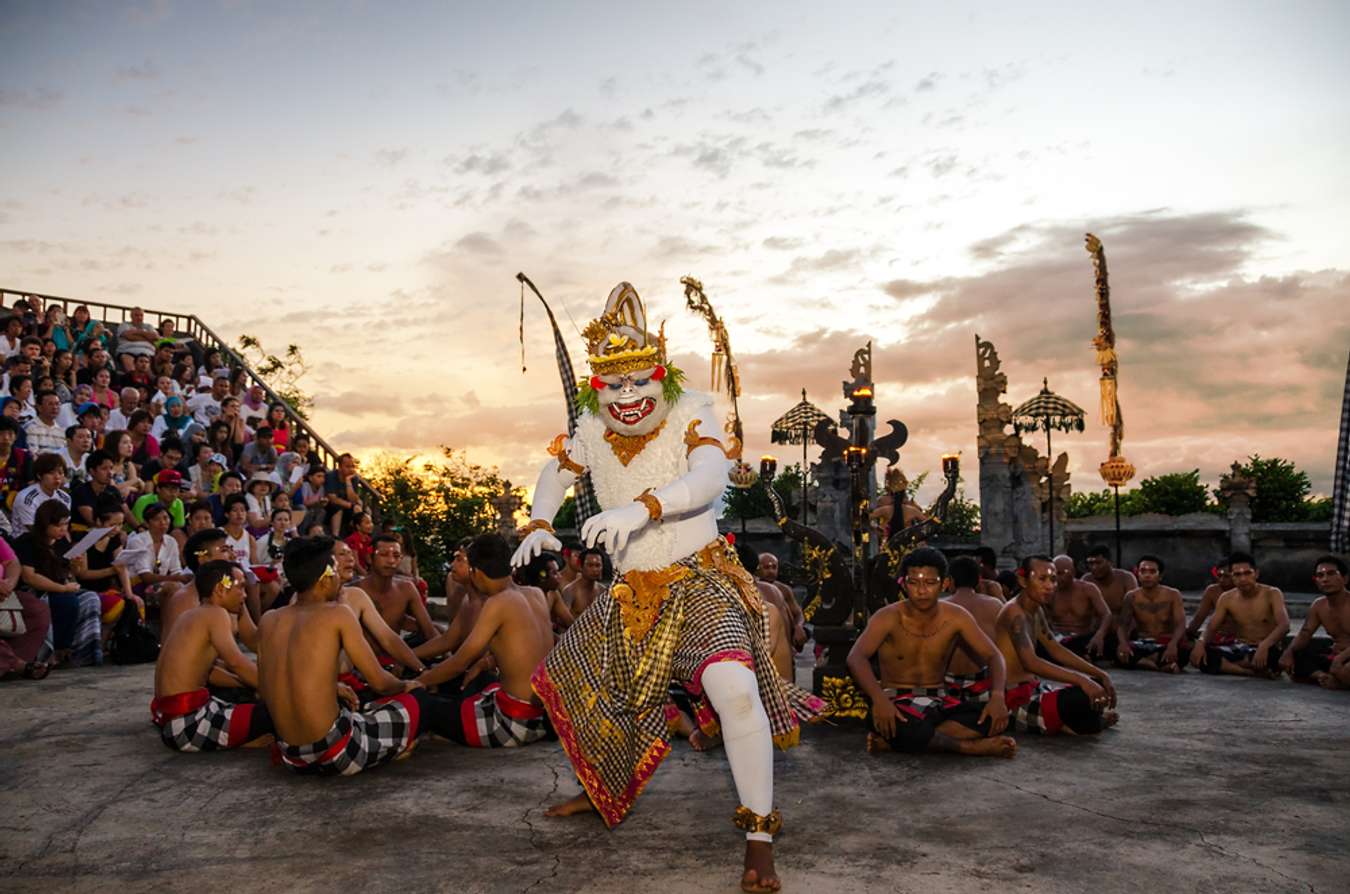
x: 1238, y: 490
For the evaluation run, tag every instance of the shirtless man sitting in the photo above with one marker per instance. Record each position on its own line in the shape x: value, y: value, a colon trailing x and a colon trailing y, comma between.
x: 1152, y: 626
x: 1223, y: 582
x: 298, y: 657
x: 1259, y: 618
x: 1082, y: 619
x: 966, y: 677
x: 1083, y: 703
x: 471, y: 606
x: 913, y: 641
x: 542, y: 574
x: 581, y: 592
x: 395, y: 596
x: 382, y: 638
x: 514, y: 626
x: 767, y: 571
x: 1324, y: 661
x: 989, y: 584
x: 1113, y: 583
x: 205, y: 546
x: 188, y: 716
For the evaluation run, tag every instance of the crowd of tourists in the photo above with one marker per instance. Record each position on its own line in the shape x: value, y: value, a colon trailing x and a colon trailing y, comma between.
x: 120, y: 444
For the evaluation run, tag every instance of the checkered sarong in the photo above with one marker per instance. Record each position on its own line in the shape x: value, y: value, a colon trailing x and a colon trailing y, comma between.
x: 969, y: 687
x: 1340, y: 491
x: 358, y: 741
x: 605, y: 685
x: 494, y: 718
x: 1034, y: 707
x: 198, y: 721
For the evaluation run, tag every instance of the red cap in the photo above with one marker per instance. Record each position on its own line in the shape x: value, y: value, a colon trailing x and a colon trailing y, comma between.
x: 169, y: 476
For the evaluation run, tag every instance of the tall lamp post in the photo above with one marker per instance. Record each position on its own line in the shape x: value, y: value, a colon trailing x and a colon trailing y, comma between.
x: 1117, y: 472
x: 797, y: 426
x: 1048, y: 411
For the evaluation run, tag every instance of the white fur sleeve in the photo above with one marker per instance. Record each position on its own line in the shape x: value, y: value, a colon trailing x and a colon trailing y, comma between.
x: 699, y: 488
x: 551, y: 488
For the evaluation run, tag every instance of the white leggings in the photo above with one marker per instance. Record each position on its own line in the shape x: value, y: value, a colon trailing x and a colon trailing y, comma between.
x: 732, y: 689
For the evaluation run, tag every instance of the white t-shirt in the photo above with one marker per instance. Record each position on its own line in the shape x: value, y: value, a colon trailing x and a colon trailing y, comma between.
x: 204, y: 408
x: 135, y: 347
x: 26, y: 506
x: 243, y: 548
x: 166, y: 562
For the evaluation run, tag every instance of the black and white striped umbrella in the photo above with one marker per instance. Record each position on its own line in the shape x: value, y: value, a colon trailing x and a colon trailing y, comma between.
x: 1047, y: 411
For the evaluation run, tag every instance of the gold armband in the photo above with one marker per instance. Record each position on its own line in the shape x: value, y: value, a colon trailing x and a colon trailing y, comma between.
x: 653, y: 505
x: 565, y: 462
x: 747, y: 820
x: 537, y: 524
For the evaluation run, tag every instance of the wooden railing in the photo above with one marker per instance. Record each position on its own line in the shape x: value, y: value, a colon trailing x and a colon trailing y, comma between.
x: 191, y: 326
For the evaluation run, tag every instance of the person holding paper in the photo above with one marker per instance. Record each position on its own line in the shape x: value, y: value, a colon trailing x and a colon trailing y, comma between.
x: 100, y: 571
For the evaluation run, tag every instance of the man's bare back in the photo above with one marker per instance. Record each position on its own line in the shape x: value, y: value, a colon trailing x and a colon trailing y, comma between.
x: 1113, y: 587
x: 203, y: 635
x: 984, y: 609
x: 515, y: 626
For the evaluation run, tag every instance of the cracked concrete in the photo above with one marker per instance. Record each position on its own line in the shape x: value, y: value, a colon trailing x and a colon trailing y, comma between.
x: 1207, y: 785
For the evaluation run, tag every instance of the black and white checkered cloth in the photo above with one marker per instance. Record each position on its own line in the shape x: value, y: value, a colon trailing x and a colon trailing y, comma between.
x: 358, y: 741
x: 207, y: 728
x: 969, y: 687
x: 494, y: 718
x: 1028, y: 710
x: 582, y: 491
x: 1340, y: 493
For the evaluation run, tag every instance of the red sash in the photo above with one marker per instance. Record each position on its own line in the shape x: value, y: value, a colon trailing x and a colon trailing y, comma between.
x: 163, y: 709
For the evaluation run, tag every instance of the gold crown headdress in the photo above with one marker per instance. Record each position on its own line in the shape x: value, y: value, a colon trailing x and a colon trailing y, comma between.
x: 618, y: 342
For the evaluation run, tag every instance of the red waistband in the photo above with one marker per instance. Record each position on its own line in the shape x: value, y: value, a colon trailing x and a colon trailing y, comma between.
x: 515, y: 708
x: 165, y: 708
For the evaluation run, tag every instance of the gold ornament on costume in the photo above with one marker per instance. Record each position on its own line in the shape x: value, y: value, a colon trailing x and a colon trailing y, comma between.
x: 565, y: 462
x: 618, y: 342
x: 843, y: 698
x: 626, y: 447
x: 537, y: 524
x: 654, y: 509
x: 640, y: 595
x: 747, y: 820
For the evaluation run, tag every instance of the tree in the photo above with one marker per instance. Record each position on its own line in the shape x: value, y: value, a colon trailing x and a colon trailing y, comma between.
x: 1281, y: 490
x: 1176, y: 493
x: 963, y: 519
x: 438, y: 503
x: 282, y: 374
x: 566, y: 516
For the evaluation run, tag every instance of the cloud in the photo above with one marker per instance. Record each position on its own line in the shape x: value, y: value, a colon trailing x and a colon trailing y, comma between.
x: 365, y: 403
x: 928, y: 82
x: 390, y: 157
x: 145, y: 71
x: 482, y: 163
x: 38, y: 99
x: 479, y: 243
x: 867, y: 89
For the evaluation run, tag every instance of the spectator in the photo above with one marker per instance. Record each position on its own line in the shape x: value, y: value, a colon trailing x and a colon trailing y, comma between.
x: 102, y: 393
x: 129, y: 400
x: 125, y: 477
x: 158, y: 570
x: 87, y: 330
x: 253, y: 405
x: 162, y: 362
x: 170, y: 457
x: 12, y: 339
x: 85, y: 497
x: 145, y: 446
x: 168, y: 486
x: 218, y: 436
x: 9, y: 409
x: 50, y: 471
x: 340, y: 490
x: 360, y: 540
x: 140, y: 375
x: 93, y: 417
x: 302, y: 446
x: 99, y: 573
x: 268, y: 549
x: 312, y: 499
x: 184, y: 376
x: 165, y: 388
x: 238, y: 382
x: 78, y: 445
x: 135, y: 339
x: 173, y: 420
x: 199, y: 518
x: 206, y: 407
x: 96, y: 358
x: 44, y: 434
x: 15, y: 464
x: 77, y: 629
x: 277, y: 422
x: 228, y: 485
x: 258, y: 494
x: 19, y: 654
x: 204, y: 471
x: 63, y: 375
x: 239, y: 432
x: 236, y: 534
x: 258, y: 456
x: 31, y: 348
x: 55, y: 327
x: 21, y: 389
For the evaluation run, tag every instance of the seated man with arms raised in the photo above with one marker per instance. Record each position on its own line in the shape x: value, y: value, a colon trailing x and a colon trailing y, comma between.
x: 967, y: 677
x: 1324, y: 661
x: 516, y: 629
x: 1152, y: 629
x: 1260, y: 621
x: 188, y: 716
x: 298, y: 652
x: 1083, y: 621
x: 1084, y: 700
x: 913, y: 641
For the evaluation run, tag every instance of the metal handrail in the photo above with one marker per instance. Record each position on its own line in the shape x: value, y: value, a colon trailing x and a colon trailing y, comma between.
x: 192, y: 326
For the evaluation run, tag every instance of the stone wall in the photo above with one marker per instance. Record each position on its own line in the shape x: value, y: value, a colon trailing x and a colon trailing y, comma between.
x: 1190, y: 544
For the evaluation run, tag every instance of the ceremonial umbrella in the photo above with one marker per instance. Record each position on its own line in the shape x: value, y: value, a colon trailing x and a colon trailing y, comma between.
x: 1340, y: 497
x: 796, y: 427
x: 1048, y: 411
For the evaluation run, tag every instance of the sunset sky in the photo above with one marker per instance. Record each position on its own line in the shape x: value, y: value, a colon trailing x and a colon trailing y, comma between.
x: 365, y: 180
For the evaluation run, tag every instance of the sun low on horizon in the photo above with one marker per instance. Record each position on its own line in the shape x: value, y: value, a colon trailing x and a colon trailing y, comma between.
x: 366, y: 184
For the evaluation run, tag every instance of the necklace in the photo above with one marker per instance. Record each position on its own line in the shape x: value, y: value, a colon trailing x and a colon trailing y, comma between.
x: 626, y: 447
x: 915, y: 633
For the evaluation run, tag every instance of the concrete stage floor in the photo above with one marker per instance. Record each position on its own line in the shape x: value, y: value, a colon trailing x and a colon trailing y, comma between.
x: 1207, y: 785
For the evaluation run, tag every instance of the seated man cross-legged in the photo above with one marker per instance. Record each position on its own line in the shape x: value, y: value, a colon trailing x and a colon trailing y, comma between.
x: 966, y: 677
x: 913, y: 641
x: 515, y: 626
x: 1324, y: 661
x: 1083, y: 701
x: 298, y: 654
x: 188, y: 716
x: 1152, y: 627
x: 1260, y: 622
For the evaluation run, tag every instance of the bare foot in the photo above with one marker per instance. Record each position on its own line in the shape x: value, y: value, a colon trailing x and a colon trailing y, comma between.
x: 682, y: 725
x: 1109, y: 719
x: 701, y: 741
x: 580, y: 804
x: 1326, y: 680
x: 994, y: 746
x: 759, y: 873
x: 876, y: 744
